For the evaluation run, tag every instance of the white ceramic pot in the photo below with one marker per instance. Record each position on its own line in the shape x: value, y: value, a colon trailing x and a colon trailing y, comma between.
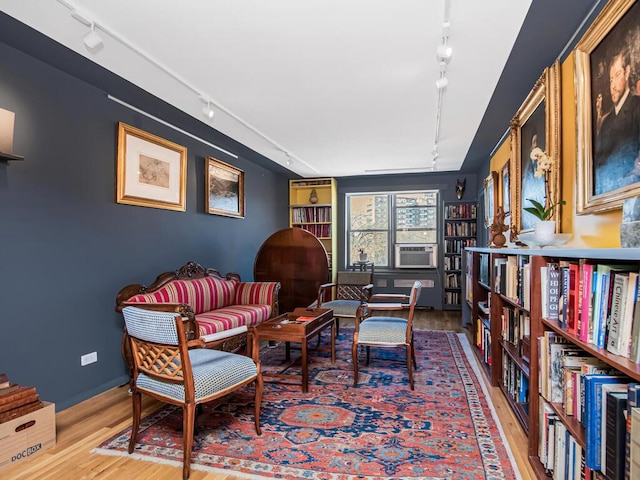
x: 544, y: 230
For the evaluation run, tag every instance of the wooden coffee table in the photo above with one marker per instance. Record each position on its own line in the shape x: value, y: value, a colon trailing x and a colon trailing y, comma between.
x: 287, y: 328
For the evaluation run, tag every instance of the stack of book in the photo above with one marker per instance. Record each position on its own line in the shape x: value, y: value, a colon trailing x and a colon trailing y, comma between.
x: 16, y: 400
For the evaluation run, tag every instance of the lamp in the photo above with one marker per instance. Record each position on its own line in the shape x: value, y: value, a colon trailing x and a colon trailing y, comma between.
x: 93, y: 40
x: 208, y: 111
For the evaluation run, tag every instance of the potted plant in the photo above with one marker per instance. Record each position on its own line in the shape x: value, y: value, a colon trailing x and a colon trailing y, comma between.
x: 363, y: 255
x: 544, y: 228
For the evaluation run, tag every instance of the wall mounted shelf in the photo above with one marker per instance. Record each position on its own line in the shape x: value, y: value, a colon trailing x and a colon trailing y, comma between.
x: 7, y: 157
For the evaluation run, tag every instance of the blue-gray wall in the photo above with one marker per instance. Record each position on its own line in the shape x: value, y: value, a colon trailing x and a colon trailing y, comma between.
x: 445, y: 182
x: 66, y: 246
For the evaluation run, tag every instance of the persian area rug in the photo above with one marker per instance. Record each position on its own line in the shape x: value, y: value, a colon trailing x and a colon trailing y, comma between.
x: 445, y: 429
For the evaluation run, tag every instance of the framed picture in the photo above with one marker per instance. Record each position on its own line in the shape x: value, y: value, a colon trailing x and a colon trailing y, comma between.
x: 151, y: 171
x: 506, y: 191
x: 536, y: 124
x: 225, y: 189
x: 490, y: 198
x: 607, y: 99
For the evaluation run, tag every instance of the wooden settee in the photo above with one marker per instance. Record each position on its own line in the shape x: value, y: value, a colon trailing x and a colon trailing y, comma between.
x: 218, y: 309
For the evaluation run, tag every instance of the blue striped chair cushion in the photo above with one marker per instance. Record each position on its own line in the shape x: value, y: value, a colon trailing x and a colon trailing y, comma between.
x: 342, y: 308
x: 383, y: 330
x: 213, y: 372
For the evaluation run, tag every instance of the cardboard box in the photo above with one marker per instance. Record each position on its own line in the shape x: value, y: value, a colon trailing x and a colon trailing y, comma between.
x: 28, y: 435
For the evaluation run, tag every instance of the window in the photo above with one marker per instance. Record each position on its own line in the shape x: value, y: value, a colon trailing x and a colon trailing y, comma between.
x: 378, y: 221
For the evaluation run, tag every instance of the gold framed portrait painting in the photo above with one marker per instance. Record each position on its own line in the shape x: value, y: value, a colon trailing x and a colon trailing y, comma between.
x: 225, y: 189
x: 607, y: 78
x: 490, y: 198
x: 535, y: 125
x: 151, y: 171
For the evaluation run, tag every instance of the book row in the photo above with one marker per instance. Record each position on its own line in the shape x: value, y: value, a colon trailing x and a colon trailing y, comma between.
x: 460, y: 229
x: 311, y: 214
x: 457, y: 211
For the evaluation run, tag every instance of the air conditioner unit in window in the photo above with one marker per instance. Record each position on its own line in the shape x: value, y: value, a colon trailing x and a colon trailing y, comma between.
x: 416, y: 255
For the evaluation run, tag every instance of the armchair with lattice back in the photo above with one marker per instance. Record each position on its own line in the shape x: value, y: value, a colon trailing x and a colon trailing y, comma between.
x: 346, y: 294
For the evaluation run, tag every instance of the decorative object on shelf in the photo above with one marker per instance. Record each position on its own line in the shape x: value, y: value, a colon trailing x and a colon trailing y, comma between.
x: 313, y: 198
x: 363, y: 255
x: 606, y: 158
x: 536, y: 125
x: 497, y: 229
x: 543, y: 227
x: 630, y: 226
x: 152, y: 171
x: 225, y: 189
x: 555, y: 240
x: 7, y: 119
x: 460, y: 186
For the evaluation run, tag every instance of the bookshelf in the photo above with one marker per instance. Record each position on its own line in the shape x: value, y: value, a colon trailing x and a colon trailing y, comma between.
x: 460, y: 231
x: 312, y: 207
x: 561, y: 349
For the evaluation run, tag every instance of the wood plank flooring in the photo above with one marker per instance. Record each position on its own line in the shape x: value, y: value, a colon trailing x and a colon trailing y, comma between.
x: 83, y: 426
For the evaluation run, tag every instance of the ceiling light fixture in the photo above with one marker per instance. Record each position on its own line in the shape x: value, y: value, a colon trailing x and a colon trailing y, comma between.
x: 93, y: 40
x: 289, y: 160
x: 442, y: 83
x: 444, y: 52
x: 208, y: 111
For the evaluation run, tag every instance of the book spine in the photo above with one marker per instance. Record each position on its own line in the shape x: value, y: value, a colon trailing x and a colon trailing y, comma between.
x: 616, y: 435
x: 20, y: 393
x: 633, y: 400
x: 617, y: 291
x: 554, y: 290
x: 583, y: 334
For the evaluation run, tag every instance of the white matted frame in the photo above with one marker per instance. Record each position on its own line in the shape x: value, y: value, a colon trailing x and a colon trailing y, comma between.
x: 225, y: 189
x: 151, y: 171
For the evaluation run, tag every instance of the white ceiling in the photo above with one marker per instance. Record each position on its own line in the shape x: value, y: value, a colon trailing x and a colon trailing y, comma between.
x: 346, y: 87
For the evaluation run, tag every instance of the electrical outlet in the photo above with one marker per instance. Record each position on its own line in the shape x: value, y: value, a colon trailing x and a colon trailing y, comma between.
x: 88, y: 358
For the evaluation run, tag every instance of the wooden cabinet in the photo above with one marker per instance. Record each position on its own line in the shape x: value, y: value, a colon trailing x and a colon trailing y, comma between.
x: 551, y: 313
x: 460, y: 230
x: 312, y: 207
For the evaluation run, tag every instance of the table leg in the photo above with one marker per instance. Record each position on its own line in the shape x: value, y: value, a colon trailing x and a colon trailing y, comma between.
x: 287, y: 351
x: 305, y: 367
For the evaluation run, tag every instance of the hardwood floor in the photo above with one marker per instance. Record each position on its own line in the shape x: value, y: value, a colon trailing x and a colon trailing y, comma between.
x: 83, y: 426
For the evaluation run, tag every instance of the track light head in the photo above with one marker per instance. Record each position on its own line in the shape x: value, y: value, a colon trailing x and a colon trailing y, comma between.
x: 444, y: 52
x: 442, y: 83
x: 93, y: 40
x: 208, y: 111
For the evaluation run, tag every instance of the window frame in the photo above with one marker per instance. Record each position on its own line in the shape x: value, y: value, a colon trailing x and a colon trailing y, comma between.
x: 392, y: 223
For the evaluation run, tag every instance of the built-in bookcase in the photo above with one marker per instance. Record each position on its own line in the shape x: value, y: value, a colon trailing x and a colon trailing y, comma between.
x: 460, y: 231
x: 312, y: 207
x: 565, y: 333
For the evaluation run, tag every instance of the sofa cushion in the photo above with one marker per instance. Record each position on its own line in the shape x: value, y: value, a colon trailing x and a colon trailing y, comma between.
x: 232, y: 317
x: 254, y: 293
x: 201, y: 294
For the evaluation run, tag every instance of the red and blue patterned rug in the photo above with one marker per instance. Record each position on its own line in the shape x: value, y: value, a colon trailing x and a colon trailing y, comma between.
x: 445, y: 429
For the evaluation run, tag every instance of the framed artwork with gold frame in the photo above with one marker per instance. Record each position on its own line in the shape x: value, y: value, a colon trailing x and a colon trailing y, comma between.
x: 151, y: 171
x: 505, y: 177
x: 225, y: 189
x: 536, y: 124
x: 607, y: 77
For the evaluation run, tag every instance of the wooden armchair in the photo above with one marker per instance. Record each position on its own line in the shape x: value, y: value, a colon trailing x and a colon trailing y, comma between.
x: 346, y: 294
x: 166, y: 368
x: 385, y: 331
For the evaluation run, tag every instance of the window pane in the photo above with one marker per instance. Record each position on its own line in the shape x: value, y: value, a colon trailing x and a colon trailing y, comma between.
x: 417, y: 199
x: 374, y: 244
x: 416, y: 236
x: 368, y: 212
x: 415, y: 217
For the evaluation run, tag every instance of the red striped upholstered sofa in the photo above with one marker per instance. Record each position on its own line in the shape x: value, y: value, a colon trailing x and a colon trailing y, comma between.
x: 216, y: 308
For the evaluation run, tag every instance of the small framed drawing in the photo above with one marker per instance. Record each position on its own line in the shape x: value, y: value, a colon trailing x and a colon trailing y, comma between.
x: 506, y: 191
x: 225, y: 189
x: 490, y: 198
x: 151, y: 171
